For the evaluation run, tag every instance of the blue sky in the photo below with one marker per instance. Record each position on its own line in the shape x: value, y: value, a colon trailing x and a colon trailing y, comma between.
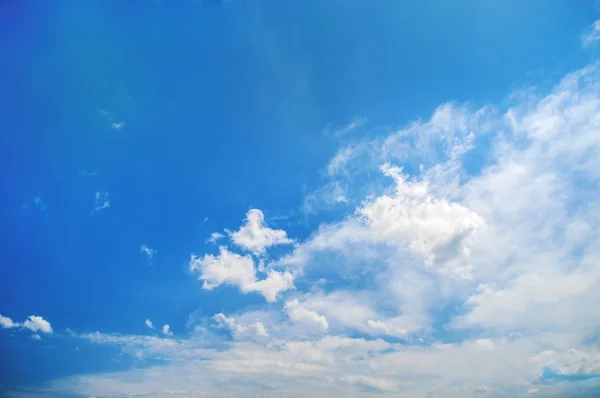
x: 316, y: 198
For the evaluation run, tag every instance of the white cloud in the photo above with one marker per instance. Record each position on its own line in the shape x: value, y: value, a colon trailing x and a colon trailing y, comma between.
x: 166, y: 330
x: 149, y: 252
x: 36, y: 337
x: 297, y: 313
x: 483, y: 389
x: 370, y: 382
x: 437, y: 229
x: 571, y: 361
x: 7, y: 323
x: 240, y: 330
x: 592, y: 35
x: 255, y: 236
x: 37, y: 323
x: 338, y: 162
x: 101, y: 202
x: 505, y: 253
x: 117, y: 125
x: 215, y: 237
x: 236, y: 270
x: 149, y: 324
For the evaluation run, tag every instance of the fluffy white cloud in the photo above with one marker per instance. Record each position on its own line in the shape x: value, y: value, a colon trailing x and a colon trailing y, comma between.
x: 255, y: 236
x: 240, y: 330
x: 437, y: 229
x: 237, y: 270
x: 149, y: 324
x: 37, y: 323
x: 166, y: 330
x: 297, y: 313
x: 504, y: 252
x: 7, y: 323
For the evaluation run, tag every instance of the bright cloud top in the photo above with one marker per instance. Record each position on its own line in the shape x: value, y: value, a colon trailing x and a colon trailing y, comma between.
x: 255, y: 236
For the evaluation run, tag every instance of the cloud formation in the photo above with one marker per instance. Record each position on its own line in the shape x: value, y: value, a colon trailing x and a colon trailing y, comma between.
x: 254, y: 235
x: 454, y: 276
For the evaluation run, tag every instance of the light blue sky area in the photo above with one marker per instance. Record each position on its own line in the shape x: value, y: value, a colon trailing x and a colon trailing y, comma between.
x: 290, y: 199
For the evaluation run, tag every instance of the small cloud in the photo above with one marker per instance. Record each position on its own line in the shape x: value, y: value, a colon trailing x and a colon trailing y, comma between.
x: 36, y: 337
x: 592, y: 35
x: 166, y: 329
x: 353, y: 125
x: 149, y: 252
x: 37, y: 323
x: 85, y: 173
x: 101, y: 202
x: 205, y: 219
x: 482, y: 389
x: 7, y: 323
x: 39, y: 204
x: 117, y: 125
x: 215, y: 236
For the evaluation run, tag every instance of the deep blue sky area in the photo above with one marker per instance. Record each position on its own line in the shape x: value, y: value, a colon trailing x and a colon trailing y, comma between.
x: 190, y: 113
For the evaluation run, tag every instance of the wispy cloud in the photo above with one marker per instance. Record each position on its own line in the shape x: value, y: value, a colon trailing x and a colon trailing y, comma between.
x: 85, y: 173
x: 148, y: 252
x: 101, y: 202
x: 215, y: 237
x: 149, y: 324
x: 592, y: 35
x: 441, y: 265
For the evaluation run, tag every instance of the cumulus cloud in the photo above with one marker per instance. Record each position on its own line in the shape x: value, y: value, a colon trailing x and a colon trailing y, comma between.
x: 503, y: 255
x: 255, y: 236
x: 166, y: 330
x: 238, y: 329
x: 37, y: 323
x: 33, y: 322
x: 149, y: 324
x: 7, y: 323
x: 237, y: 270
x: 297, y: 313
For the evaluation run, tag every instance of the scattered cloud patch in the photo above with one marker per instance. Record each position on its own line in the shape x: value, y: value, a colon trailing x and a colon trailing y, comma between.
x: 237, y: 270
x: 117, y: 125
x: 149, y: 324
x: 37, y: 323
x: 215, y: 237
x: 254, y: 235
x: 148, y: 252
x: 297, y: 313
x: 85, y: 173
x: 33, y: 322
x: 7, y: 323
x: 166, y: 330
x: 592, y: 35
x: 101, y: 202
